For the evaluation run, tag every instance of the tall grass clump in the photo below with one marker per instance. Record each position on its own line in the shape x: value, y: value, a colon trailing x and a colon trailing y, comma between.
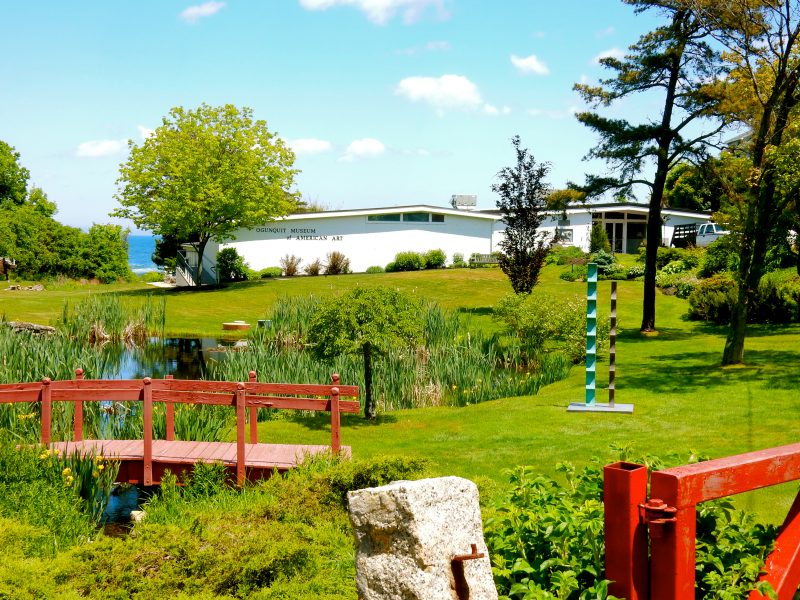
x: 453, y: 367
x: 106, y: 317
x: 62, y: 497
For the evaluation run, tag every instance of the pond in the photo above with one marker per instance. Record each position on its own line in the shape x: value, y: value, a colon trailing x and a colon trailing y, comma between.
x: 183, y: 358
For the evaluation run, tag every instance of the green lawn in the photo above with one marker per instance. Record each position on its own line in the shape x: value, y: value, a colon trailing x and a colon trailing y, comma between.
x: 684, y: 402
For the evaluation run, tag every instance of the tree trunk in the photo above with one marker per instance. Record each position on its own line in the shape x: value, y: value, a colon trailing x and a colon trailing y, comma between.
x: 370, y: 411
x: 762, y: 212
x: 201, y: 248
x: 651, y: 254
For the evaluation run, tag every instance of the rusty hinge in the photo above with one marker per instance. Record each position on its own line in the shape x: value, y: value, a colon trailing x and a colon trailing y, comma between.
x: 457, y: 566
x: 657, y: 514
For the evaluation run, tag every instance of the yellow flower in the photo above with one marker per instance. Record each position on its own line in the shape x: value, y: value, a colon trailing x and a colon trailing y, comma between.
x: 100, y: 467
x: 66, y: 471
x: 95, y: 474
x: 68, y: 481
x: 455, y: 387
x: 56, y: 451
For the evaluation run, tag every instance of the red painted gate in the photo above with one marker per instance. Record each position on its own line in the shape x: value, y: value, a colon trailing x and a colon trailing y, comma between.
x: 668, y: 520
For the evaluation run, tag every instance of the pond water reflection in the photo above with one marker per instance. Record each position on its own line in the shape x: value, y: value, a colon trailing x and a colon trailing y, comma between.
x: 183, y: 358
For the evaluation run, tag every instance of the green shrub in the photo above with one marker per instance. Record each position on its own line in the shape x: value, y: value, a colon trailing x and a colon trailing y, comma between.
x: 664, y: 256
x: 434, y: 259
x: 598, y: 239
x: 569, y: 275
x: 458, y: 261
x: 720, y: 255
x: 270, y: 273
x: 604, y: 261
x: 375, y: 269
x: 406, y: 261
x: 231, y: 266
x: 151, y: 277
x: 713, y: 299
x: 776, y: 301
x: 337, y: 264
x: 676, y: 266
x: 540, y: 323
x: 546, y: 540
x: 565, y: 255
x: 635, y: 271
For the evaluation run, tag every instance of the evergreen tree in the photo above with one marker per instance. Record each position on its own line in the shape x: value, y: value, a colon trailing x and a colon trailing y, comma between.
x: 675, y: 62
x: 523, y: 204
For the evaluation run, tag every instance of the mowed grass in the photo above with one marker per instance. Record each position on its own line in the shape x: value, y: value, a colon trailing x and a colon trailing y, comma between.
x: 685, y: 403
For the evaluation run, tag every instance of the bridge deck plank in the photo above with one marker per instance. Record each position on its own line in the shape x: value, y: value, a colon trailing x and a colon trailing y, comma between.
x: 257, y: 456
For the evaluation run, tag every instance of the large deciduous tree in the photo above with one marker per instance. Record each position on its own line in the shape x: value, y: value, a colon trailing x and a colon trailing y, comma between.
x: 674, y: 66
x: 366, y: 321
x: 523, y: 205
x: 205, y: 173
x: 761, y: 39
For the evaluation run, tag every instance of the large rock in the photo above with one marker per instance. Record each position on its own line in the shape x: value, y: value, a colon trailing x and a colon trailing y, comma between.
x: 408, y: 533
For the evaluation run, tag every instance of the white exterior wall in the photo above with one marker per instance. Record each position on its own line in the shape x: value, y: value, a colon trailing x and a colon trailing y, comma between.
x: 365, y: 243
x: 671, y: 221
x: 580, y: 223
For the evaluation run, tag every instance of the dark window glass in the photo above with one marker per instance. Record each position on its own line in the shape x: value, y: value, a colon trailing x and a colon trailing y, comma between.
x: 384, y: 218
x: 636, y: 217
x: 563, y: 222
x: 437, y: 218
x: 418, y: 217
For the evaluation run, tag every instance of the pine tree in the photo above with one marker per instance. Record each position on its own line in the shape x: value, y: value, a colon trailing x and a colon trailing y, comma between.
x: 675, y: 62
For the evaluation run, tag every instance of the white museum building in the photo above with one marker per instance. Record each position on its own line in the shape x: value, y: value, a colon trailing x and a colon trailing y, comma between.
x: 373, y: 236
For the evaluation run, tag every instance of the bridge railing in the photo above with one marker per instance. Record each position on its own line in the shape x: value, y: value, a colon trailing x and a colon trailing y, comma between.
x: 668, y: 519
x: 246, y: 397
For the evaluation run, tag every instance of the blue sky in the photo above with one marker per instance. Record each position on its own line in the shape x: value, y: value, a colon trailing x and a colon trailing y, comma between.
x: 386, y: 102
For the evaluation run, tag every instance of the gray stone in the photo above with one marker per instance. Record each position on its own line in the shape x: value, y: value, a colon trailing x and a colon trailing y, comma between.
x: 408, y: 533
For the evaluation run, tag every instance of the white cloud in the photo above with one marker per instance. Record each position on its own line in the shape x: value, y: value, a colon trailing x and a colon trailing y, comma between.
x: 145, y: 132
x: 363, y: 148
x: 310, y: 146
x: 529, y: 64
x: 610, y: 53
x: 381, y: 11
x: 606, y: 32
x: 445, y: 92
x: 194, y: 13
x: 100, y: 148
x: 494, y: 111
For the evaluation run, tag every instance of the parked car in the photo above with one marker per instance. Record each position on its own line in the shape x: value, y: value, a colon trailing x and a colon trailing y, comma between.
x: 696, y: 235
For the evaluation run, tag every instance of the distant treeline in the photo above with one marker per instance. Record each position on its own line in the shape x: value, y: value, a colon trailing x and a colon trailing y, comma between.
x: 41, y: 246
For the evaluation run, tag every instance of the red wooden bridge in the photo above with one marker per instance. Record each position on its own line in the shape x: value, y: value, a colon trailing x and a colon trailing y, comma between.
x: 145, y: 461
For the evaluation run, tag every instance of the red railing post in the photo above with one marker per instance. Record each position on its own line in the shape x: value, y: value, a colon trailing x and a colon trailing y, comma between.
x: 240, y: 432
x: 170, y: 417
x: 77, y: 421
x: 672, y: 527
x: 147, y: 417
x: 336, y: 442
x: 253, y: 414
x: 47, y: 411
x: 624, y: 489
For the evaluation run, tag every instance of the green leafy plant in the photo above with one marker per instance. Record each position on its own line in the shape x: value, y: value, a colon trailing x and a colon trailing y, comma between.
x: 406, y: 261
x: 435, y: 259
x: 598, y: 238
x: 375, y: 269
x: 270, y: 273
x: 230, y: 265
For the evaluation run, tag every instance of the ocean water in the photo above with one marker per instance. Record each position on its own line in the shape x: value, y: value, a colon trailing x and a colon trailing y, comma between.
x: 140, y: 252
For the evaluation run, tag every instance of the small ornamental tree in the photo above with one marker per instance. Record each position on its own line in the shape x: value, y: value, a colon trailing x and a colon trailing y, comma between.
x: 523, y: 205
x: 366, y: 321
x: 204, y: 174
